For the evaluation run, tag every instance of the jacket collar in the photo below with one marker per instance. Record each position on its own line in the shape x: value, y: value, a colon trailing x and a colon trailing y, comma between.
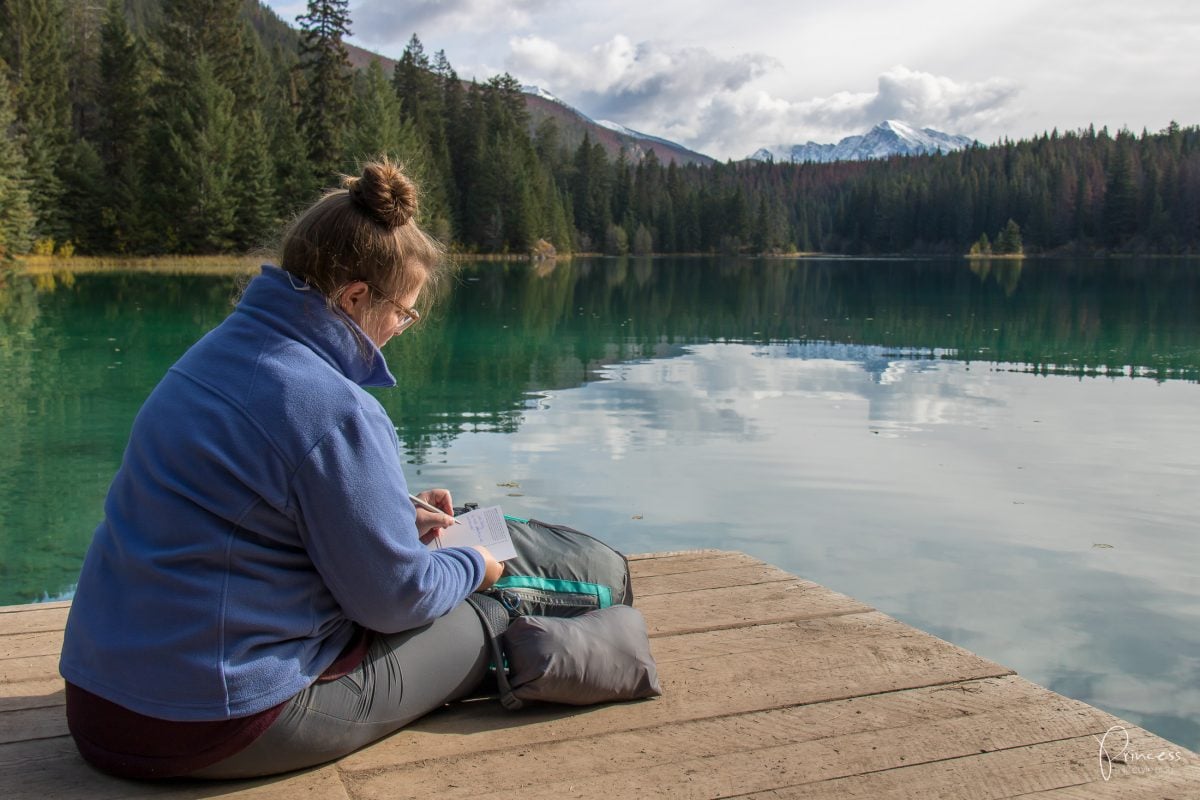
x: 288, y: 304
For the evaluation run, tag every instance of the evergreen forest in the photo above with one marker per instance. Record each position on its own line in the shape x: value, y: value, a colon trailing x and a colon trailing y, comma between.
x: 201, y: 126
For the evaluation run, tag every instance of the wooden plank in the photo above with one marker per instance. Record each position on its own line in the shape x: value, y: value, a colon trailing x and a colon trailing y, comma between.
x: 1014, y: 772
x: 697, y: 688
x: 810, y: 632
x: 14, y: 756
x: 1177, y: 784
x: 665, y: 554
x: 23, y: 607
x: 714, y: 609
x: 16, y: 672
x: 701, y: 757
x: 32, y: 694
x: 34, y: 618
x: 721, y: 578
x: 687, y: 563
x: 24, y: 645
x: 324, y: 783
x: 32, y: 723
x: 51, y: 768
x: 731, y: 768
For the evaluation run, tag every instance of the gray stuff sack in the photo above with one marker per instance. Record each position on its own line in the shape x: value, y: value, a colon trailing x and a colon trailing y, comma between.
x: 598, y: 657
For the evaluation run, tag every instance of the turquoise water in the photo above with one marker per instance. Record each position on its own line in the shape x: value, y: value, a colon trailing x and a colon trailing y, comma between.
x: 1004, y: 455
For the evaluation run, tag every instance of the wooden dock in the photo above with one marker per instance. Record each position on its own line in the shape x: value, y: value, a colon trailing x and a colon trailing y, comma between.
x: 773, y: 687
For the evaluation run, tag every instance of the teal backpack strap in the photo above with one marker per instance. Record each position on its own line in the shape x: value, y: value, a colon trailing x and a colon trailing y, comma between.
x: 603, y: 594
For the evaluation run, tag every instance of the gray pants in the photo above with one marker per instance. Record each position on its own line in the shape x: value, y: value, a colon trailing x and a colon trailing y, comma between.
x: 404, y: 676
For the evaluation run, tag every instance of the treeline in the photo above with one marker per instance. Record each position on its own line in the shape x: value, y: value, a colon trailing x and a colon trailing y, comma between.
x: 200, y: 126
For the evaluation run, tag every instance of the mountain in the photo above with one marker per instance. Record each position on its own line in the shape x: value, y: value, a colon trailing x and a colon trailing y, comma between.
x: 361, y: 58
x: 888, y: 138
x: 573, y: 124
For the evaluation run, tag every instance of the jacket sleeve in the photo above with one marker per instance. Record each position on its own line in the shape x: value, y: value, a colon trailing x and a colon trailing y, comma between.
x: 359, y: 528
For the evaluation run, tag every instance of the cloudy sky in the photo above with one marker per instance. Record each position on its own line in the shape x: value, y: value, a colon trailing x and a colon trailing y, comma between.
x: 726, y: 78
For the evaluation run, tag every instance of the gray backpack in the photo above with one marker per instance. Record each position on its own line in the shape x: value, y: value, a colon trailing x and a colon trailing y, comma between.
x: 560, y: 572
x: 560, y: 621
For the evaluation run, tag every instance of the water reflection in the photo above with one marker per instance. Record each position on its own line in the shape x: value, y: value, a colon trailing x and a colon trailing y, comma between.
x: 513, y: 329
x: 963, y: 500
x: 78, y: 355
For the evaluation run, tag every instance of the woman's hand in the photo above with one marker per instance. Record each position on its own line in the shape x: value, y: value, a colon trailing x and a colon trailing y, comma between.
x: 430, y: 524
x: 492, y: 569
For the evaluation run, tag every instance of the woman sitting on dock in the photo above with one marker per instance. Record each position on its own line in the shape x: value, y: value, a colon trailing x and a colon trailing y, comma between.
x: 258, y: 598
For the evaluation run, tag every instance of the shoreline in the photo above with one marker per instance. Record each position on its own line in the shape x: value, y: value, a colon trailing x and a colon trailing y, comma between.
x: 249, y: 263
x: 168, y: 265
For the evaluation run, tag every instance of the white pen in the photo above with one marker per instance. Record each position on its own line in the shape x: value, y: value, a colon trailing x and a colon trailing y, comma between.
x: 428, y: 507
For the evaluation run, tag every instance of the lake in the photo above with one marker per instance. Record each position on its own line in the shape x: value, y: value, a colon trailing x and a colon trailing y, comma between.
x: 1004, y: 454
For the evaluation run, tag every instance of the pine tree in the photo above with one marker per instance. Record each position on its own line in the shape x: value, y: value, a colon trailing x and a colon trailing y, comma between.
x: 122, y: 105
x: 325, y: 99
x: 1008, y: 240
x: 82, y: 22
x: 378, y: 128
x: 192, y: 171
x: 190, y: 148
x: 559, y: 227
x: 416, y: 85
x: 450, y: 106
x: 83, y: 183
x: 253, y: 188
x: 16, y: 213
x: 375, y: 122
x: 213, y: 28
x: 454, y: 107
x: 295, y: 181
x: 616, y: 240
x: 643, y: 242
x: 422, y: 87
x: 1120, y: 196
x: 252, y: 184
x: 34, y: 47
x: 762, y: 227
x: 982, y: 247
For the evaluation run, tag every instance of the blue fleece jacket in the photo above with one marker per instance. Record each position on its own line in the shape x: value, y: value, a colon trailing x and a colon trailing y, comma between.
x: 259, y: 512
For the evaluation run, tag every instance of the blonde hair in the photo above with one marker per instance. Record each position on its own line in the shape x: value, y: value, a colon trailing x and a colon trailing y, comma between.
x: 365, y: 231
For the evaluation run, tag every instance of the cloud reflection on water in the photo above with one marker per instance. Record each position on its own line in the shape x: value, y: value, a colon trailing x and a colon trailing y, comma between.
x: 964, y: 499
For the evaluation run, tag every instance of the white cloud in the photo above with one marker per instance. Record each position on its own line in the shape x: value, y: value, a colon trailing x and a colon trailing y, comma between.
x: 386, y: 21
x: 645, y: 82
x: 710, y: 102
x: 919, y: 98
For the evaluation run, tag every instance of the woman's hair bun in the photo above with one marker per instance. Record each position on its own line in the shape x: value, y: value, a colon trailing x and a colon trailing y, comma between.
x: 384, y: 193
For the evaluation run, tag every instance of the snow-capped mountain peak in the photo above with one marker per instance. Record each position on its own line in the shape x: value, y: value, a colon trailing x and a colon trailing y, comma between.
x: 619, y: 128
x: 889, y: 138
x: 538, y: 91
x: 898, y: 127
x: 614, y: 126
x: 613, y: 136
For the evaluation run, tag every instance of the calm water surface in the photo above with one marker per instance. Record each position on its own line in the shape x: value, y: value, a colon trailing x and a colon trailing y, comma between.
x: 1003, y: 455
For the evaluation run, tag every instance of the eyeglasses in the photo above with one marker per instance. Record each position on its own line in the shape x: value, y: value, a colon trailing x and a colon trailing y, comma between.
x: 408, y: 316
